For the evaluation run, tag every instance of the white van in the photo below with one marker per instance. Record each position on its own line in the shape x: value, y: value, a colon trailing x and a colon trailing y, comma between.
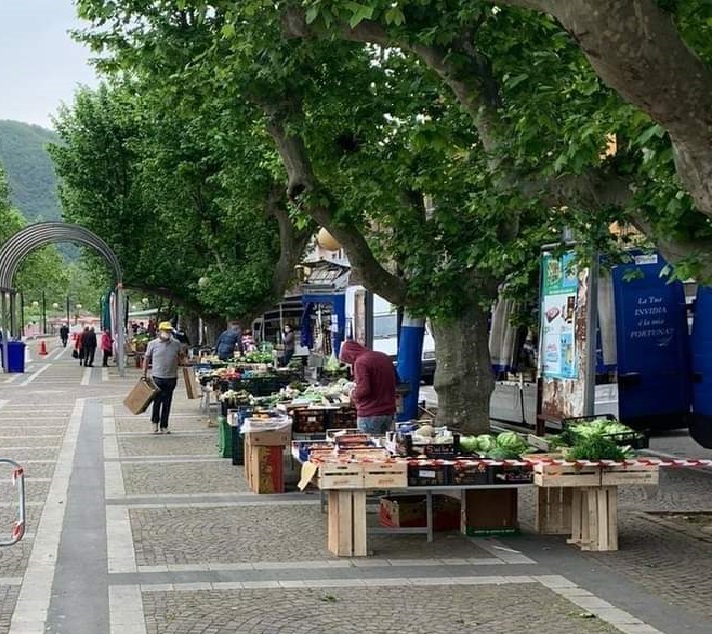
x: 385, y: 328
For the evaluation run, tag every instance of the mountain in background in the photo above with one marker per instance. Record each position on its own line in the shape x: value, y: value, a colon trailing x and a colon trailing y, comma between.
x: 29, y: 169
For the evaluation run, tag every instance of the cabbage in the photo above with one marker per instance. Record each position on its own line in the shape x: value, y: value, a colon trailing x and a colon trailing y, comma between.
x: 512, y: 442
x: 485, y: 443
x: 469, y: 444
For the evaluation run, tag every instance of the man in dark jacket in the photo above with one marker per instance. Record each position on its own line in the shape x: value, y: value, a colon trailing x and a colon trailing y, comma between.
x: 375, y: 393
x: 89, y: 346
x: 64, y: 334
x: 225, y: 345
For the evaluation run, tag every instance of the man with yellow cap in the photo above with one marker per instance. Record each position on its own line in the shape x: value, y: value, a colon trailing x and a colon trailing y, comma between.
x: 164, y: 354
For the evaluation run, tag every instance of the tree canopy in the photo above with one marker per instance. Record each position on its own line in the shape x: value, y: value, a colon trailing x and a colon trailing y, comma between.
x: 360, y: 112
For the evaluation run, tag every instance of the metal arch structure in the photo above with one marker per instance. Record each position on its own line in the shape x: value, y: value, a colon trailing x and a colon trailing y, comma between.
x: 41, y: 234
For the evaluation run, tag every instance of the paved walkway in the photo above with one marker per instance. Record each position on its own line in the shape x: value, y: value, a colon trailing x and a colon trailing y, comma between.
x: 133, y: 533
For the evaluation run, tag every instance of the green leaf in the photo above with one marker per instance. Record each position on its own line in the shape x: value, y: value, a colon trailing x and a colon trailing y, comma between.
x: 312, y: 14
x: 228, y: 31
x: 360, y: 12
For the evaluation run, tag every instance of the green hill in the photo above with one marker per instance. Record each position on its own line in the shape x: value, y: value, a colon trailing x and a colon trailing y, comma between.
x: 29, y: 169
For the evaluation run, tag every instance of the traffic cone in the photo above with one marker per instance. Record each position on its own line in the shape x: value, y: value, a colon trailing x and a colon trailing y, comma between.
x: 43, y: 349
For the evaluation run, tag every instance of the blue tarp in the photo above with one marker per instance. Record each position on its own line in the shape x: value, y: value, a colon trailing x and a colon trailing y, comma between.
x: 338, y: 304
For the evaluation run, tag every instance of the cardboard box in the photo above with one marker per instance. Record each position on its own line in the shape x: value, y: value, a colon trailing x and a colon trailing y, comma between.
x: 141, y: 396
x: 269, y: 438
x: 490, y: 511
x: 402, y: 511
x: 409, y: 511
x: 192, y: 387
x: 264, y: 469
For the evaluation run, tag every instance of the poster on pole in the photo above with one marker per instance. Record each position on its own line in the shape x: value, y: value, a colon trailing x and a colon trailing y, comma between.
x: 565, y: 303
x: 558, y: 316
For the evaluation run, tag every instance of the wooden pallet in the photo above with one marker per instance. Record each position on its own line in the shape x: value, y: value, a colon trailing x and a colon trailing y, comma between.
x: 594, y: 518
x: 566, y: 475
x: 347, y: 533
x: 553, y: 510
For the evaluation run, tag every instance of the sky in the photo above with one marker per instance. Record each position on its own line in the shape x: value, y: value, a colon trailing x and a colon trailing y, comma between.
x: 40, y: 65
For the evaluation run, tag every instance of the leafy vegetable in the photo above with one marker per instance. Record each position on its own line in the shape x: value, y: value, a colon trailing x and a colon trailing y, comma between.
x: 469, y: 444
x: 596, y: 448
x: 485, y: 443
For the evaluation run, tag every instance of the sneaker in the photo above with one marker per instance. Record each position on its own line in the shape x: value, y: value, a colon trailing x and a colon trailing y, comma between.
x: 155, y: 428
x: 165, y: 430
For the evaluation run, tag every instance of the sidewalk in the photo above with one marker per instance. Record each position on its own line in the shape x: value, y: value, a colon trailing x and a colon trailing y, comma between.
x: 156, y: 534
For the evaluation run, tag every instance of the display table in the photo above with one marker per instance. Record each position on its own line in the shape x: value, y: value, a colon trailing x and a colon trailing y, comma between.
x: 348, y: 530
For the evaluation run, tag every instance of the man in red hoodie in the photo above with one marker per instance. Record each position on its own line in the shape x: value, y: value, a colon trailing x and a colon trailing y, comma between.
x: 375, y: 393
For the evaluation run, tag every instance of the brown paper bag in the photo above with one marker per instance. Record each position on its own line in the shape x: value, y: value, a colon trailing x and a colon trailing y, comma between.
x: 141, y: 396
x: 192, y: 387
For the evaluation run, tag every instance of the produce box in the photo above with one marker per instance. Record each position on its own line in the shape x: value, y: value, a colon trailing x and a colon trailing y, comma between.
x: 308, y: 421
x: 410, y: 511
x: 627, y: 474
x: 264, y: 468
x: 423, y: 473
x: 402, y: 511
x: 141, y: 396
x: 566, y: 475
x: 511, y: 474
x: 270, y: 438
x: 340, y: 475
x: 342, y: 418
x: 470, y: 472
x: 490, y: 512
x: 388, y: 474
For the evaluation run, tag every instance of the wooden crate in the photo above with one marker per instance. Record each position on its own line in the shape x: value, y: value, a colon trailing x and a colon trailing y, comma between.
x: 385, y: 475
x: 347, y: 533
x: 340, y: 475
x: 594, y: 518
x: 553, y: 510
x: 566, y: 475
x: 636, y: 474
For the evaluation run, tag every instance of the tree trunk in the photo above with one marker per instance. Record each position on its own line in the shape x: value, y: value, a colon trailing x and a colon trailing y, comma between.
x: 463, y: 376
x: 214, y: 326
x: 191, y: 327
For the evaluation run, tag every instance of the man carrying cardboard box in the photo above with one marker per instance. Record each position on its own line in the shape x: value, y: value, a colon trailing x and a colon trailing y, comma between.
x: 165, y: 354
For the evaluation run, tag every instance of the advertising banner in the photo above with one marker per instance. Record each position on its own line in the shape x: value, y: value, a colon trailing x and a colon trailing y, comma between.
x: 558, y: 316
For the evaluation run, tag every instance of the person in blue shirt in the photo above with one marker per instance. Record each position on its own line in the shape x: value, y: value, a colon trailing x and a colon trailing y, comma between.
x: 227, y: 341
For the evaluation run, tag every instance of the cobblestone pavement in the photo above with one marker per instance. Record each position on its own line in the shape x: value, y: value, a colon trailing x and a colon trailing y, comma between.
x: 157, y: 535
x: 431, y: 610
x: 183, y: 477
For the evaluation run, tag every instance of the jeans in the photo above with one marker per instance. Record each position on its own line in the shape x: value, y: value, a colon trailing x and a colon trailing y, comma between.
x: 163, y: 400
x: 376, y: 425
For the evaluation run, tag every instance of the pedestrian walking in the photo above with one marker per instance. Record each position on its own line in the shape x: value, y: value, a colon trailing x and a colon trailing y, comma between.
x: 89, y: 345
x: 79, y: 346
x: 107, y: 347
x: 64, y: 334
x: 375, y: 391
x: 164, y: 354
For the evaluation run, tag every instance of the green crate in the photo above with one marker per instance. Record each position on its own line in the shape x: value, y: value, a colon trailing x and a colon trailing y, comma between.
x: 225, y: 438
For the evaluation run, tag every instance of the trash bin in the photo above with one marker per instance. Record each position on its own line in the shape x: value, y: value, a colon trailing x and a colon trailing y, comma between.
x: 16, y: 356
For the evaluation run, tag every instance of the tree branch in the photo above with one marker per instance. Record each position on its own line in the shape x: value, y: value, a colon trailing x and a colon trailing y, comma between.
x: 474, y: 87
x: 635, y: 48
x: 676, y: 250
x: 302, y: 181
